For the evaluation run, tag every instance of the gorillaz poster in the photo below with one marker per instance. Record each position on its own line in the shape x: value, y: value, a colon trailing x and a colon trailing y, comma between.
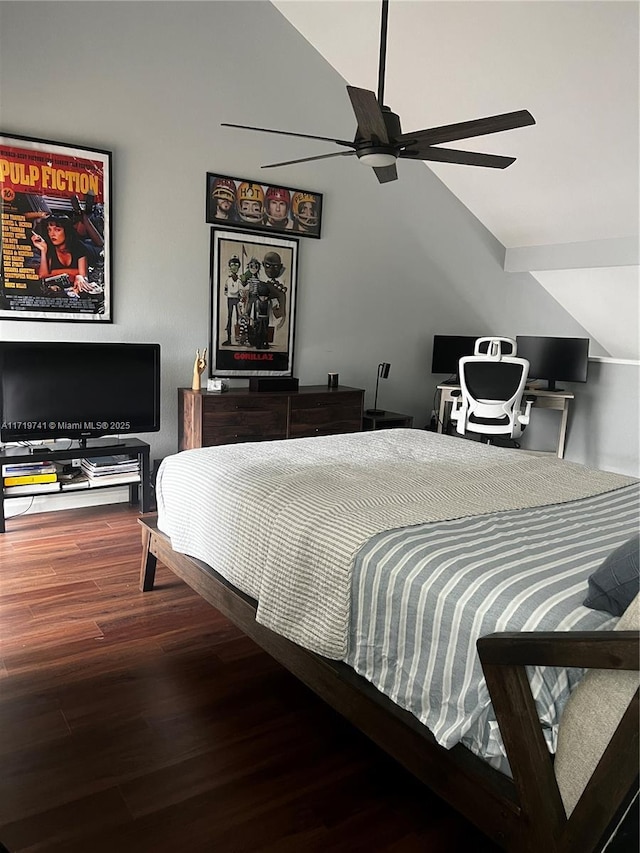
x: 253, y: 304
x: 55, y: 258
x: 241, y: 203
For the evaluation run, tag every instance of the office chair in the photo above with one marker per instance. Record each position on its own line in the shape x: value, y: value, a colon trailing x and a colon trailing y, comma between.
x: 490, y: 401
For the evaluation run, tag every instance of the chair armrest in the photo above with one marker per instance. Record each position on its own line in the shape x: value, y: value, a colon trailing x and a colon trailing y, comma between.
x: 504, y: 659
x: 525, y: 411
x: 589, y: 649
x: 456, y: 405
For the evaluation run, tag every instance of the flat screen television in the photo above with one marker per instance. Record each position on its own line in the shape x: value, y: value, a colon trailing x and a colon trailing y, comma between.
x: 448, y: 350
x: 78, y: 390
x: 555, y: 359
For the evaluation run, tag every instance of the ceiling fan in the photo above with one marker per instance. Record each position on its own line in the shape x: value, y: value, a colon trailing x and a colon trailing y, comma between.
x: 379, y: 140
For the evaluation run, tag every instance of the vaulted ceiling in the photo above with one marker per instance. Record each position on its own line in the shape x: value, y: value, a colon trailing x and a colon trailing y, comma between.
x: 573, y: 65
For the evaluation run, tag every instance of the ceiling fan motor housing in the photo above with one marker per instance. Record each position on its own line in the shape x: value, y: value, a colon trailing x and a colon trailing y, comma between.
x: 392, y: 123
x: 376, y: 152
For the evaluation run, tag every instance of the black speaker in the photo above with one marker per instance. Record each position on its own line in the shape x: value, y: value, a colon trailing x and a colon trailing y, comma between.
x: 273, y: 383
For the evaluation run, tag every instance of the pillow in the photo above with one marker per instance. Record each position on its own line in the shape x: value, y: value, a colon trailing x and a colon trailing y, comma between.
x: 615, y: 584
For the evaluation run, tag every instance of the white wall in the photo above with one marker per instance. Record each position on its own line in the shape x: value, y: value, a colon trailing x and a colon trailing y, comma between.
x: 605, y: 427
x: 601, y: 299
x: 152, y: 81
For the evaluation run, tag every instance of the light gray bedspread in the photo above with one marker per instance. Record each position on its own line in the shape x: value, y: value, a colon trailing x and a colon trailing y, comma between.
x: 283, y: 520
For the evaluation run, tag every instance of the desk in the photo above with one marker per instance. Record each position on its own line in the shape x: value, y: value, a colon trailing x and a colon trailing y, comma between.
x: 558, y: 400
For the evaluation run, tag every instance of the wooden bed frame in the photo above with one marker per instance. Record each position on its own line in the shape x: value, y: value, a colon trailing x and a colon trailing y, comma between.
x: 525, y: 815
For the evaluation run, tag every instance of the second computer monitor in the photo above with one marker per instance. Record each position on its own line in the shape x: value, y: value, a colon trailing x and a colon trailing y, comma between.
x: 555, y: 359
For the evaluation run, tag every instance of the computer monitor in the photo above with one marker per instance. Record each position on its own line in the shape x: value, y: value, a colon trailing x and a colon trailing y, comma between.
x: 555, y: 359
x: 448, y: 350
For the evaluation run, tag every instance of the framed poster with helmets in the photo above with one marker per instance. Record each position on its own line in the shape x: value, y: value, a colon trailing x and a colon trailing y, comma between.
x: 243, y: 203
x: 253, y: 303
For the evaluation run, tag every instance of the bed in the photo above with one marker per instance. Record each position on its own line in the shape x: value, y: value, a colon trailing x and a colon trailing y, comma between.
x: 372, y: 564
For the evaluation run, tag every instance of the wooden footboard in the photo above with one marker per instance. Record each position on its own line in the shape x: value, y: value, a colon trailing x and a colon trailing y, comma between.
x: 483, y: 795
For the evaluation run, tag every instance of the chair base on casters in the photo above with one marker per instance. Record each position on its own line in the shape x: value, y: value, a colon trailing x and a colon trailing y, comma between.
x: 497, y: 441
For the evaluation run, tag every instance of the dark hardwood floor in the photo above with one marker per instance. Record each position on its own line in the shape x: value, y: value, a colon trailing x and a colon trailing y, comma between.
x: 147, y: 723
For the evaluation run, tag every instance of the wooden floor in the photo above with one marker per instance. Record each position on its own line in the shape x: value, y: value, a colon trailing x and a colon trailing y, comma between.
x: 147, y: 723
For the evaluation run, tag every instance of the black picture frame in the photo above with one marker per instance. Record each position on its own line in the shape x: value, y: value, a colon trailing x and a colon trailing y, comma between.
x: 52, y: 192
x: 244, y: 203
x: 252, y: 315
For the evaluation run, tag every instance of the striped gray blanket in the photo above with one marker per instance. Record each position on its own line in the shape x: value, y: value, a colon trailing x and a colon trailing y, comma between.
x: 422, y: 596
x: 283, y: 520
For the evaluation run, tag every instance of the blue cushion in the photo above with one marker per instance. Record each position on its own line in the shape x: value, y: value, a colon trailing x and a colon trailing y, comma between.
x: 615, y: 584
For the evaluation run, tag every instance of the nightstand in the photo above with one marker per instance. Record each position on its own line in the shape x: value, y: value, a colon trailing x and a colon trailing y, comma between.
x: 387, y: 420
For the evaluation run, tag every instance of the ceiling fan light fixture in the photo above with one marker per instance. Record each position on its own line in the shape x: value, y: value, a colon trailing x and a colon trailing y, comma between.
x: 377, y: 159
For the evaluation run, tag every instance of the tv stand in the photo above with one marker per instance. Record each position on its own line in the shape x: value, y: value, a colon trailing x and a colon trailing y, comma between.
x: 67, y: 449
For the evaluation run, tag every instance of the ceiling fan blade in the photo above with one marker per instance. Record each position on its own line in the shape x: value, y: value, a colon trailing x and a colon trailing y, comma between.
x: 308, y: 159
x: 452, y: 155
x: 368, y: 114
x: 386, y: 173
x: 467, y: 129
x: 289, y: 133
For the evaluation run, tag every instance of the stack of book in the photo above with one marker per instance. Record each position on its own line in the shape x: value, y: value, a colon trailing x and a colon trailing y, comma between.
x: 30, y: 478
x: 72, y: 477
x: 111, y: 470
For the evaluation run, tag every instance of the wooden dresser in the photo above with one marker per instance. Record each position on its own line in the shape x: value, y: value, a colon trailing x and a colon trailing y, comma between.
x: 206, y: 418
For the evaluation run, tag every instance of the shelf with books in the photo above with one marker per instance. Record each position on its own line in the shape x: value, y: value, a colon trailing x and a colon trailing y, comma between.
x: 120, y: 462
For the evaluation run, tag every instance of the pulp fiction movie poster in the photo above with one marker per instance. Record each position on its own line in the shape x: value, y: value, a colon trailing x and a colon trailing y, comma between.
x: 55, y: 258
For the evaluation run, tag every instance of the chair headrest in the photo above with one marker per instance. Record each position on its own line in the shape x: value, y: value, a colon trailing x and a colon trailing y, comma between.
x: 495, y: 347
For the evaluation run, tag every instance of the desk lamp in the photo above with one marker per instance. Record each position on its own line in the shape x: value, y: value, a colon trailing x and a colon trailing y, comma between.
x: 383, y: 373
